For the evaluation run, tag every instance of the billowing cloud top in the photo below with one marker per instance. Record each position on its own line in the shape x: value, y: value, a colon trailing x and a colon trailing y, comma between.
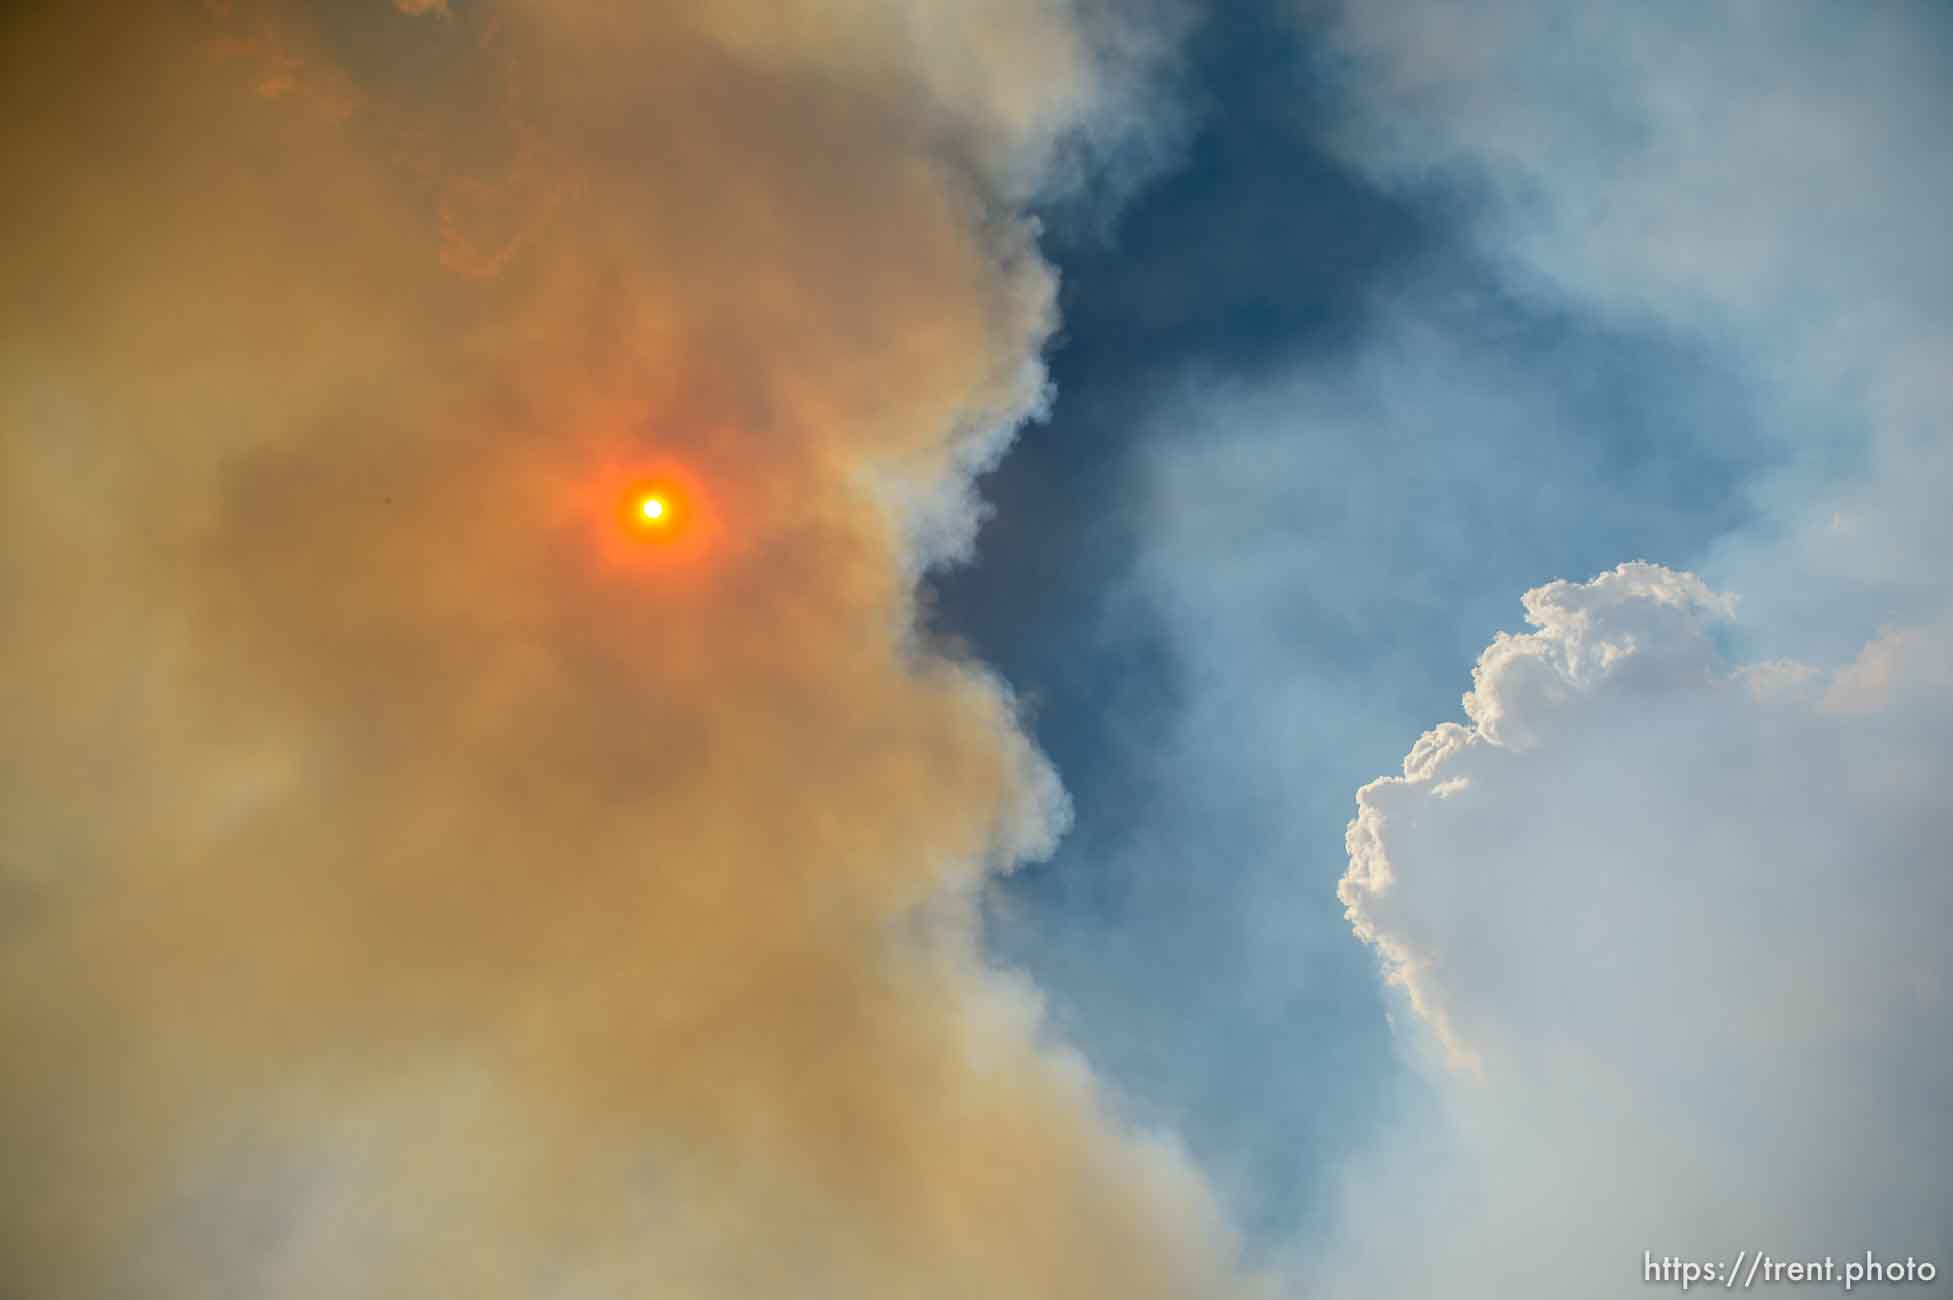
x: 414, y: 884
x: 1672, y: 902
x: 1683, y: 924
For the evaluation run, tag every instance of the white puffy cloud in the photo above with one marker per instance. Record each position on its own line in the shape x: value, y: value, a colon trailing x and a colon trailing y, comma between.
x: 1679, y: 926
x: 1671, y: 899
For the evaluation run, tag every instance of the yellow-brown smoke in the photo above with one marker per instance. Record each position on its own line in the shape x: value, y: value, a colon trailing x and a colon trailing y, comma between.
x: 397, y: 897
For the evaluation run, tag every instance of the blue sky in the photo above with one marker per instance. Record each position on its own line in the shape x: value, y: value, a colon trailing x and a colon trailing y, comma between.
x: 1319, y: 422
x: 1299, y: 409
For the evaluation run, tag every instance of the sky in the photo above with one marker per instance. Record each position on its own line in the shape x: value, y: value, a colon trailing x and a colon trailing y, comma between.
x: 1292, y: 649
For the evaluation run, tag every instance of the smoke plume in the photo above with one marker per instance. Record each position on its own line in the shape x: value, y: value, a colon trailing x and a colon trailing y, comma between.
x: 414, y: 882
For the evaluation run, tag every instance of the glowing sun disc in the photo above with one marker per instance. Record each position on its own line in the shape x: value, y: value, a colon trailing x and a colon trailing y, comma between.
x: 656, y: 517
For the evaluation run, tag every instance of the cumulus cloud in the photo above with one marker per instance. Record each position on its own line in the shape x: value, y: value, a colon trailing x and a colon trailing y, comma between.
x: 1675, y: 920
x: 411, y: 886
x: 1683, y: 940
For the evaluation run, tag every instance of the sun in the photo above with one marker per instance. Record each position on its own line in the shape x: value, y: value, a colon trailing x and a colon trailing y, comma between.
x: 653, y: 509
x: 650, y: 516
x: 659, y: 513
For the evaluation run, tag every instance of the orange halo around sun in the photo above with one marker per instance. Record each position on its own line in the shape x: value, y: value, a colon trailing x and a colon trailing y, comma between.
x: 651, y: 516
